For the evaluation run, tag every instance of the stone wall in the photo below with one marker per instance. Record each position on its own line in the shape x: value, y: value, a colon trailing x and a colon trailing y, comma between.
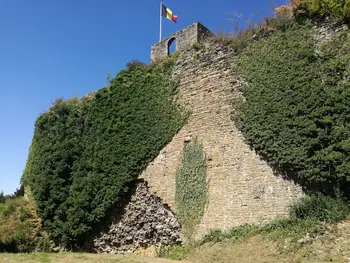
x: 242, y: 187
x: 144, y: 222
x: 326, y: 31
x: 184, y: 38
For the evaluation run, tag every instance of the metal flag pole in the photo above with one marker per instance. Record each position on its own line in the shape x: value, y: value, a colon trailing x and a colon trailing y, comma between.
x: 160, y: 21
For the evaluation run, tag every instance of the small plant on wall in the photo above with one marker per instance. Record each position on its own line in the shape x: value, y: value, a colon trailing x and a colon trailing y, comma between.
x: 191, y: 187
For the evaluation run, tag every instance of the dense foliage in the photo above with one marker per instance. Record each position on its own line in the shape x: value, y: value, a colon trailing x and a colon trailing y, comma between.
x: 191, y: 186
x: 297, y: 108
x: 321, y: 208
x: 20, y: 228
x: 339, y: 9
x: 85, y: 152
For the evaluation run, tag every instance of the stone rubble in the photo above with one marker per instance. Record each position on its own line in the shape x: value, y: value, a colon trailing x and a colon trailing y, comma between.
x: 145, y: 222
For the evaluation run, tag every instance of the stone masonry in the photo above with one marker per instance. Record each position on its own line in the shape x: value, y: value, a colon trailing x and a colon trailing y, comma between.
x: 242, y: 187
x: 184, y: 38
x: 144, y: 222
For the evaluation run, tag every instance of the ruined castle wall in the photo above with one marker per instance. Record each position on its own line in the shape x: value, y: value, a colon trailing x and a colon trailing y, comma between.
x: 242, y: 187
x: 195, y: 32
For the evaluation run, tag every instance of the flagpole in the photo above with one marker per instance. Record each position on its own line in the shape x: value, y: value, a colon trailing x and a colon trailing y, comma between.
x: 160, y: 21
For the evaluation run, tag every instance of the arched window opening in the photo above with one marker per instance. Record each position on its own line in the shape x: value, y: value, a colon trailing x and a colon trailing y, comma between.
x: 171, y: 45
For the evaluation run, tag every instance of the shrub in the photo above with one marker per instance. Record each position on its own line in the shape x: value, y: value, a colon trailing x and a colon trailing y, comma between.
x: 20, y: 227
x: 133, y: 64
x: 10, y: 205
x: 339, y: 9
x: 85, y: 153
x: 2, y: 198
x: 320, y: 207
x: 43, y: 244
x: 241, y: 38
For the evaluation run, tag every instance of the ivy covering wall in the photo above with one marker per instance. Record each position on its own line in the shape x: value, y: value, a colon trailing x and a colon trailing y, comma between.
x: 297, y: 108
x: 191, y: 187
x: 85, y: 152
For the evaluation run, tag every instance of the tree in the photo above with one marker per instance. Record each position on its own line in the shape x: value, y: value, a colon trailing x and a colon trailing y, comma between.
x: 2, y: 197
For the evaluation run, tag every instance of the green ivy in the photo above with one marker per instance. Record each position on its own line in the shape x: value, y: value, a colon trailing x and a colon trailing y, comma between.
x: 191, y: 187
x: 86, y: 152
x: 297, y: 108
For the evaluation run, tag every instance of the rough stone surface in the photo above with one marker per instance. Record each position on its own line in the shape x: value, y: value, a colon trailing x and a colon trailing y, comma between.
x: 144, y: 222
x: 184, y: 38
x: 242, y: 187
x: 326, y: 31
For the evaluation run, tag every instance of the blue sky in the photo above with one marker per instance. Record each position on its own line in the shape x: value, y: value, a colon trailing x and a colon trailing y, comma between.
x: 65, y: 48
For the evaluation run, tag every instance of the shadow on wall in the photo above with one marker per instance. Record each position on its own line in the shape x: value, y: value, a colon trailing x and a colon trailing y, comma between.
x: 330, y: 188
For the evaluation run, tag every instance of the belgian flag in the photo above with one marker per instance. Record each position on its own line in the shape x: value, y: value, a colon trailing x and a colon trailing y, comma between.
x: 166, y: 12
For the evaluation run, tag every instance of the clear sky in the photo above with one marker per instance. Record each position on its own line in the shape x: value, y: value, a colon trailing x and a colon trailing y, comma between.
x: 64, y: 48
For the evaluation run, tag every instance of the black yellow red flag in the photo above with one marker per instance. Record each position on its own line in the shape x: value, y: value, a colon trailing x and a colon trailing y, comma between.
x: 166, y: 12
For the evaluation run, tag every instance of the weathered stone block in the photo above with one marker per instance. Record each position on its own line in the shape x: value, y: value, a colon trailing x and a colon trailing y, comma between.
x: 184, y: 38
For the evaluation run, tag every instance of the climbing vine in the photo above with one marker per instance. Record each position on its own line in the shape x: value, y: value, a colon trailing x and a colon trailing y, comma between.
x: 191, y: 187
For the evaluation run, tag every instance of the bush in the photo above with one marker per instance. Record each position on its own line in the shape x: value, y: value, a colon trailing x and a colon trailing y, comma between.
x: 20, y: 227
x: 43, y: 244
x: 2, y: 198
x: 133, y: 64
x: 85, y: 153
x: 320, y: 207
x: 296, y: 112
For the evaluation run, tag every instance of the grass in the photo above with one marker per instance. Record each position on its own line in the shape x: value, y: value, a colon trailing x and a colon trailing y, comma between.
x: 330, y: 244
x: 77, y: 258
x: 284, y: 240
x: 276, y: 231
